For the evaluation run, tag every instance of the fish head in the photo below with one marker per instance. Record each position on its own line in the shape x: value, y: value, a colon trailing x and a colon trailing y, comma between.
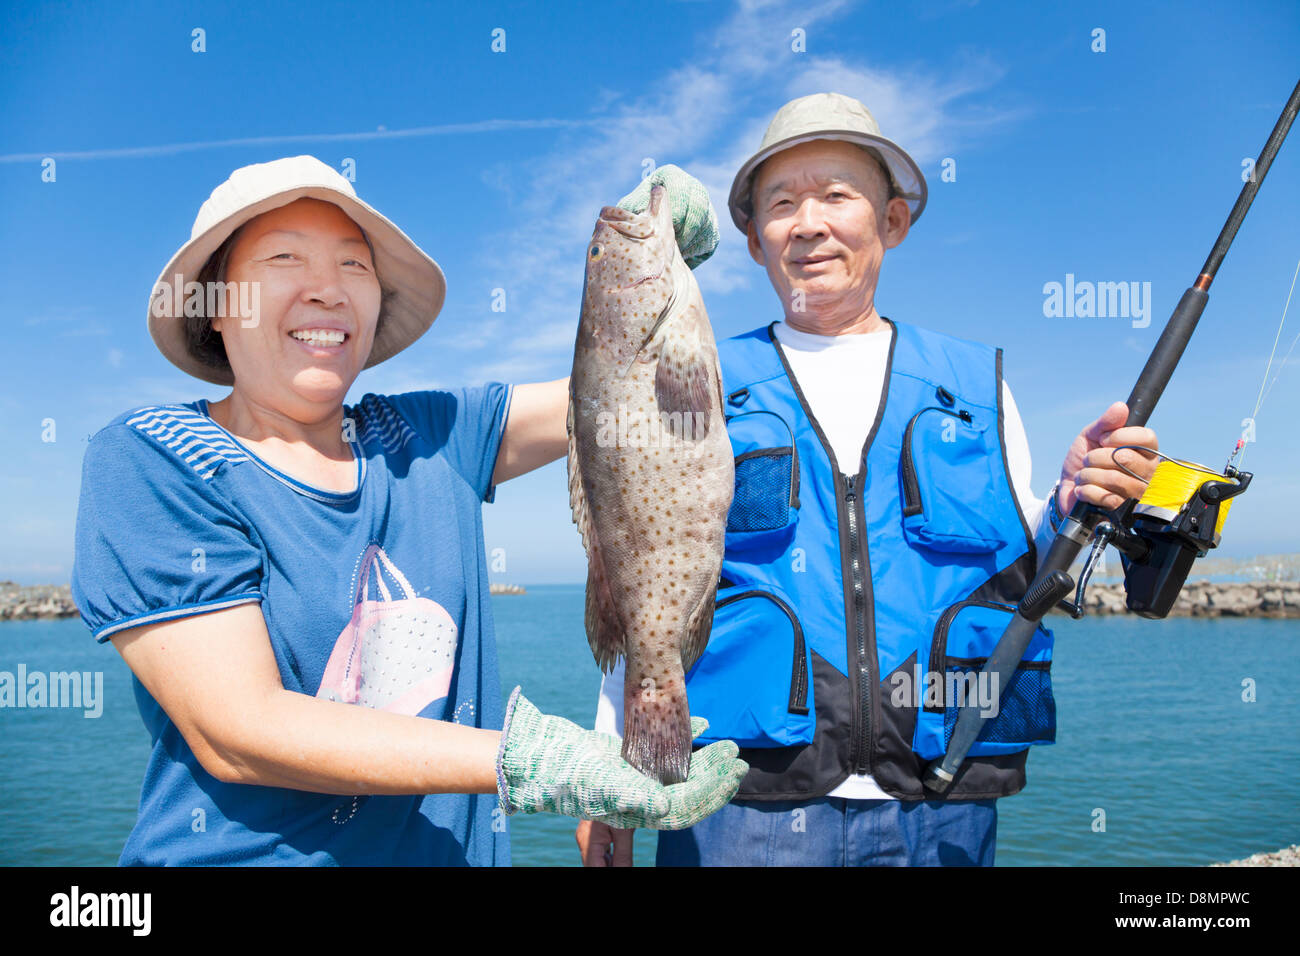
x: 630, y: 271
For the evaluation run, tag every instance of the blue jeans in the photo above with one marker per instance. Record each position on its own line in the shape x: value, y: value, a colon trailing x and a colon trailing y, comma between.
x: 832, y: 831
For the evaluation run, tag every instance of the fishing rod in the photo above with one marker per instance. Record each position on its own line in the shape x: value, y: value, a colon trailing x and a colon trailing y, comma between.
x: 1178, y: 519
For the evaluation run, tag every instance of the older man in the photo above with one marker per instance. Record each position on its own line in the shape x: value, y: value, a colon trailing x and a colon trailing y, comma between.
x: 881, y: 527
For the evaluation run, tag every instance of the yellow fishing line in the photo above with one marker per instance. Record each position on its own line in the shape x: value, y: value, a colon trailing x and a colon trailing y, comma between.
x: 1173, y: 485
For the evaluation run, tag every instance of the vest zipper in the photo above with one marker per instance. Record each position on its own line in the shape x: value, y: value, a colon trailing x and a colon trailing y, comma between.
x: 861, y: 744
x: 857, y: 598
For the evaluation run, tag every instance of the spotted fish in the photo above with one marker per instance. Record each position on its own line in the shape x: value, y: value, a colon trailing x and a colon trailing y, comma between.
x: 650, y: 474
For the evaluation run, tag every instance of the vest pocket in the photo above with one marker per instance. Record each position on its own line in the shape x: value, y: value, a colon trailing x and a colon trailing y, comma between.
x: 946, y: 479
x: 765, y: 496
x: 963, y: 639
x: 752, y: 681
x: 765, y: 503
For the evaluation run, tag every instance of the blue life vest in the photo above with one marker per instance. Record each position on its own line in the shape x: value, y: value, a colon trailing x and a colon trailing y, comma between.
x: 853, y: 612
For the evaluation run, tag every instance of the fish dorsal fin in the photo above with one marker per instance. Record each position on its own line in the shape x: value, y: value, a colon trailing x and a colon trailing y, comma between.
x: 605, y: 631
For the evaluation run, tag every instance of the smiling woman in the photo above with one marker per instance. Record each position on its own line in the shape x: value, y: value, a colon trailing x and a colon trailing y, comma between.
x: 205, y: 342
x: 300, y: 586
x: 319, y: 302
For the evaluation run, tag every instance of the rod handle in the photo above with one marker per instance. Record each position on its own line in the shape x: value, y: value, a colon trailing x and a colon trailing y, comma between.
x: 1164, y: 357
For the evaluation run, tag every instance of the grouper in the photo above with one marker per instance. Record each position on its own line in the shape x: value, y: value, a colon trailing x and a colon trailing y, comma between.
x: 650, y: 474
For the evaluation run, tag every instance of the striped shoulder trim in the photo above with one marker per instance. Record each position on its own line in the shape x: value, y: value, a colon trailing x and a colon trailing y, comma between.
x: 192, y: 437
x: 379, y: 422
x: 172, y: 613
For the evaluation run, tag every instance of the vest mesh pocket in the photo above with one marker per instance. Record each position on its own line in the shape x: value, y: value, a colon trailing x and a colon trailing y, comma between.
x: 1026, y: 714
x: 963, y: 638
x: 762, y: 497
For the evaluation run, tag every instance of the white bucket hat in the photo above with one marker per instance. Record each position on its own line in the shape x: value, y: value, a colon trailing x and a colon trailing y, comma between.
x: 415, y: 280
x: 828, y: 116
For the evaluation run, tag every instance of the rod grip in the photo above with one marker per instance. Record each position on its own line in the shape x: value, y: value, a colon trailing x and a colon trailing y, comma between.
x: 1043, y: 597
x: 1164, y: 357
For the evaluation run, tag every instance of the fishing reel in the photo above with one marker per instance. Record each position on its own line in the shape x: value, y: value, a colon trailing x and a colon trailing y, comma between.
x: 1178, y: 519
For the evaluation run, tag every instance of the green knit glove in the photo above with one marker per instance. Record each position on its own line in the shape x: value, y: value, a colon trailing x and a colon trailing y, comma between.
x: 694, y: 221
x: 550, y: 764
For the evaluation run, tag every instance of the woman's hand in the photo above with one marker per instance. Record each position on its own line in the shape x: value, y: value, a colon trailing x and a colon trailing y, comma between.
x: 551, y: 764
x: 216, y: 677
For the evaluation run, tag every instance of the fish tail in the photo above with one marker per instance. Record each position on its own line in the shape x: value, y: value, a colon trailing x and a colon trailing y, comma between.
x: 657, y: 730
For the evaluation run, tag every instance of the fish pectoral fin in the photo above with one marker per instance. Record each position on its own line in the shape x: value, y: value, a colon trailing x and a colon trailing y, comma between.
x: 698, y: 628
x: 605, y: 631
x: 682, y: 387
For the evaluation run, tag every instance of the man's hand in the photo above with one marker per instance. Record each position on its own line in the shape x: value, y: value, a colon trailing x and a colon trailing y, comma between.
x: 1089, y: 471
x: 695, y: 224
x: 603, y: 845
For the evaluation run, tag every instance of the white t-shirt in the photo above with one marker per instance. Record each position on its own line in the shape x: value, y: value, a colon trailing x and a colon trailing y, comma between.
x: 841, y: 377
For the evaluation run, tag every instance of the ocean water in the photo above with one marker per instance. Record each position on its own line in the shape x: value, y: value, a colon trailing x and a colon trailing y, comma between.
x: 1154, y: 738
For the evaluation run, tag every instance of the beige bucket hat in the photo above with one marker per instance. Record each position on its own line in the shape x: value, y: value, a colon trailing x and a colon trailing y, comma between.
x: 416, y: 281
x: 828, y: 116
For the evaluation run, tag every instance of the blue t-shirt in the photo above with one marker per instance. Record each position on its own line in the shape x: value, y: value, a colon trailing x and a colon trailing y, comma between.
x: 177, y: 517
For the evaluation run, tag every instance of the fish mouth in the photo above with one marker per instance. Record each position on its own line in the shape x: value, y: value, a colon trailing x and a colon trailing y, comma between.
x: 613, y: 214
x: 632, y: 225
x: 635, y: 225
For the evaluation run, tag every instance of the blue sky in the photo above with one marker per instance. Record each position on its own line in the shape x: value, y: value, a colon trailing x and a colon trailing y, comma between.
x: 1111, y: 166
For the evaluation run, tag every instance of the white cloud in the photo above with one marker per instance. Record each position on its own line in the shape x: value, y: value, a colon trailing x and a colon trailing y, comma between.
x: 917, y: 110
x: 707, y: 116
x: 172, y: 149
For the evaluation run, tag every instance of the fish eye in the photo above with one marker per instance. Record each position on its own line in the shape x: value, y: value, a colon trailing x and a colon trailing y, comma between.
x: 596, y: 252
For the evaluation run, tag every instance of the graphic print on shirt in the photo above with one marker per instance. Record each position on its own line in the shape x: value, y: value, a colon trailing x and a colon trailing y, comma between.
x: 394, y: 655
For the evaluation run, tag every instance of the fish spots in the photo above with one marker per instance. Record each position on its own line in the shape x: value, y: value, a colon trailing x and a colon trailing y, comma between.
x: 657, y: 573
